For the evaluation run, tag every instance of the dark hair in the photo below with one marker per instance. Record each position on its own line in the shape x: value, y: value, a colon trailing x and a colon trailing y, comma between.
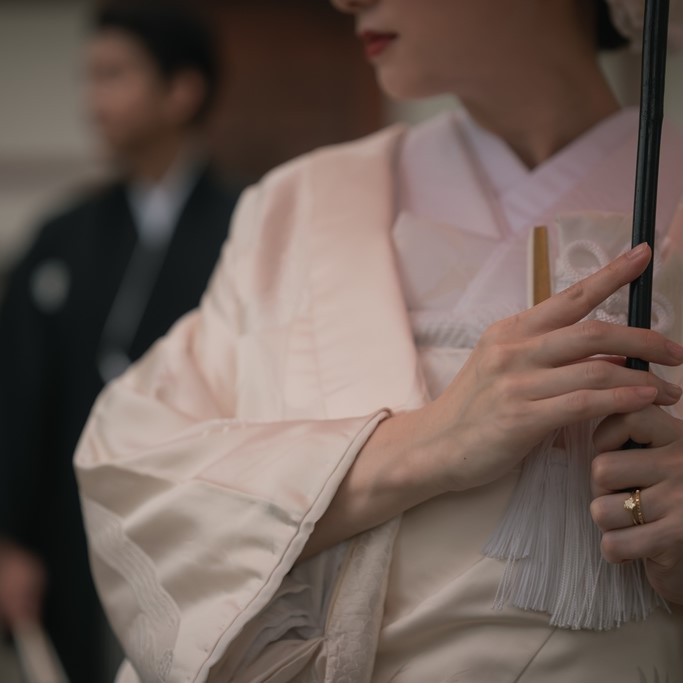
x: 175, y: 38
x: 608, y: 36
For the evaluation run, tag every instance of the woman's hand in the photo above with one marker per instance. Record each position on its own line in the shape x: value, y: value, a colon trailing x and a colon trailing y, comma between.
x: 537, y: 371
x: 658, y: 472
x: 528, y: 375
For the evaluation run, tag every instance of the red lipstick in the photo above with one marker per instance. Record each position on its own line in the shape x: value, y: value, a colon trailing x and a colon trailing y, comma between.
x: 375, y: 42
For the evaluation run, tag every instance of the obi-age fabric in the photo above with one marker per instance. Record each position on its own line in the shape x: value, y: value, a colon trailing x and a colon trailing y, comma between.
x: 204, y: 469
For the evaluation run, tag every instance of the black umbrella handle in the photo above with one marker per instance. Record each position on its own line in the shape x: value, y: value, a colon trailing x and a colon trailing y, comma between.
x: 649, y: 141
x: 655, y: 37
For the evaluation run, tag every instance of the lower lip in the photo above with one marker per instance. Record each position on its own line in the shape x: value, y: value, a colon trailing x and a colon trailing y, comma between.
x: 376, y: 47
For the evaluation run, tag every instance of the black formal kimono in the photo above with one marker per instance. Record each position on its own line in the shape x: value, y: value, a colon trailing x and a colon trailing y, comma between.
x: 52, y: 321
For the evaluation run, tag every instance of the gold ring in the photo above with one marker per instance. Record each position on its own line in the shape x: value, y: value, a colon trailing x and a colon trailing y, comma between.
x: 632, y: 505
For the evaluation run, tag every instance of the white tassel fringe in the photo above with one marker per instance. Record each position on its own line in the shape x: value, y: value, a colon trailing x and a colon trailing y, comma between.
x: 552, y: 547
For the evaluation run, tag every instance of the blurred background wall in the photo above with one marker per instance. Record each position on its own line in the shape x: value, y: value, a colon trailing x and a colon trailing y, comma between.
x: 44, y: 144
x: 296, y: 80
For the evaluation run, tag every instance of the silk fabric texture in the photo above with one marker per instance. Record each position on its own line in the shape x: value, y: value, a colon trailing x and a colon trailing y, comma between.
x: 204, y: 469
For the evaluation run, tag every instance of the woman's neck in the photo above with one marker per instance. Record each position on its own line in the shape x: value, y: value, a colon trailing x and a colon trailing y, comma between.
x: 540, y: 97
x: 539, y: 117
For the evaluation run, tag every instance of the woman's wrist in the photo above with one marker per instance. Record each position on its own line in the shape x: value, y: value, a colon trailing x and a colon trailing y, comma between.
x: 390, y: 475
x: 408, y: 457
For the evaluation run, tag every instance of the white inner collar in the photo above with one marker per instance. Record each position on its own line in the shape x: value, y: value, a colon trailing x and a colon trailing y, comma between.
x: 524, y: 193
x: 156, y: 207
x: 438, y: 181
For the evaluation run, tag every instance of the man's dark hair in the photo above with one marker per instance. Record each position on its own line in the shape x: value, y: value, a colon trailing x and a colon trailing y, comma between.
x: 608, y: 36
x: 173, y: 35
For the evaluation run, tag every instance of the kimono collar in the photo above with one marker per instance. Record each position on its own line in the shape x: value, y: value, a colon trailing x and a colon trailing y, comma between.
x: 453, y: 172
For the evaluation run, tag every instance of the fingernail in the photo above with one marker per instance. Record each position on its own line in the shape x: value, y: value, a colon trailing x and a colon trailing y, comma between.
x: 637, y: 251
x: 646, y: 392
x: 676, y: 350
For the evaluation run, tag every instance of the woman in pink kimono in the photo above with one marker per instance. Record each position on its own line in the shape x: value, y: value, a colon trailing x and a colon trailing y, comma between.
x: 368, y: 457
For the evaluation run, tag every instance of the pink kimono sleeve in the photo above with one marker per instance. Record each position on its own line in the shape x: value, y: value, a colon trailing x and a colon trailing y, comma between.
x: 195, y: 518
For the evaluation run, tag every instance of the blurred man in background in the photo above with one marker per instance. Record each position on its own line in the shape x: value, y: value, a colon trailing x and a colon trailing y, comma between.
x: 103, y: 280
